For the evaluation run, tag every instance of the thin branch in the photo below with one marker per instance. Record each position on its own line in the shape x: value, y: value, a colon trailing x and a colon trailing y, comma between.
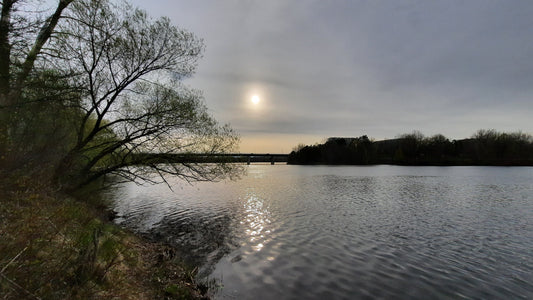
x: 13, y: 259
x: 41, y: 39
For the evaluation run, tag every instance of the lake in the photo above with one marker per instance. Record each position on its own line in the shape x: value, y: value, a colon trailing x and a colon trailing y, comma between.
x: 349, y: 232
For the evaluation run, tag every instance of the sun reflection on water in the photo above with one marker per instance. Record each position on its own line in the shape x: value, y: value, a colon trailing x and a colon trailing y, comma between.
x: 256, y: 221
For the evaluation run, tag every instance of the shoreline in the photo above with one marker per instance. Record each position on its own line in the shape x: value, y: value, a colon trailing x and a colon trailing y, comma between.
x: 56, y: 246
x: 421, y: 164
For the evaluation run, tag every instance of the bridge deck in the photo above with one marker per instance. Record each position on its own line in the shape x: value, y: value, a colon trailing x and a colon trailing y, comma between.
x: 215, y: 157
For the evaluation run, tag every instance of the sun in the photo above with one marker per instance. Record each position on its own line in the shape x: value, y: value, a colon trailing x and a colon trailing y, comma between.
x: 255, y: 99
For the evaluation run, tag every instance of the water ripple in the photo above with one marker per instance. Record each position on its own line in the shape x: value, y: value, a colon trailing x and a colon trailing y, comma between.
x: 385, y: 232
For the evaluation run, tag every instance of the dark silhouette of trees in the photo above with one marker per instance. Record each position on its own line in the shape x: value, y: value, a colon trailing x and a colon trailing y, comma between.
x: 410, y: 146
x: 494, y: 147
x: 486, y: 147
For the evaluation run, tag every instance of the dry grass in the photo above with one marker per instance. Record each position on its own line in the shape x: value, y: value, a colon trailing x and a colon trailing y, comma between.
x: 56, y: 247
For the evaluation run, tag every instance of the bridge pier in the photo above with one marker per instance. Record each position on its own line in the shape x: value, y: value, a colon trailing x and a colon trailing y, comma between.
x: 249, y: 159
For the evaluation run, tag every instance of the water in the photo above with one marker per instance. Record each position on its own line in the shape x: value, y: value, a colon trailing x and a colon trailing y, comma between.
x: 317, y: 232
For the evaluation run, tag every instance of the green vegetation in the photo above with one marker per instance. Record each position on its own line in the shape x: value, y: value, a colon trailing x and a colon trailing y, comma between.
x: 56, y: 247
x: 84, y: 89
x: 486, y: 147
x: 106, y: 88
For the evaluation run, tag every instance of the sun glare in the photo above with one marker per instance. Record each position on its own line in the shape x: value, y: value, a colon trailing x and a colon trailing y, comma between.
x: 255, y: 99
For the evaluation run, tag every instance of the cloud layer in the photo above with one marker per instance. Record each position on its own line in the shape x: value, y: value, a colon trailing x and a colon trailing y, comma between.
x: 381, y: 68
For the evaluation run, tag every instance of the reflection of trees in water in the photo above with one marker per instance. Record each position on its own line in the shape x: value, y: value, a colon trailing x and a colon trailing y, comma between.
x: 199, y: 240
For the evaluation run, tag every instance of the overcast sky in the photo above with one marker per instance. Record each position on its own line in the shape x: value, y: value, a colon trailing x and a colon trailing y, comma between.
x: 349, y: 68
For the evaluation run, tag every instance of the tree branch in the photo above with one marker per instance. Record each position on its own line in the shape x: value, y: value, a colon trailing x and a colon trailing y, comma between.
x: 42, y: 38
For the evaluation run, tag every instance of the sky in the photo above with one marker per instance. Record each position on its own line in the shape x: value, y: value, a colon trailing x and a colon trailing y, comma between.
x: 351, y: 68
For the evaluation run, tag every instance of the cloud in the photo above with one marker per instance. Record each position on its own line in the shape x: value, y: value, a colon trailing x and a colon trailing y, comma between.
x: 341, y: 67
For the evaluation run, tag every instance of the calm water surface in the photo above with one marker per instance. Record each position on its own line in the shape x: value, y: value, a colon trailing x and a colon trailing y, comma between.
x: 317, y: 232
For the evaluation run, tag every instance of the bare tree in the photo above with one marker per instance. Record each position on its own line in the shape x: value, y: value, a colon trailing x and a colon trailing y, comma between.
x: 130, y: 68
x: 123, y: 71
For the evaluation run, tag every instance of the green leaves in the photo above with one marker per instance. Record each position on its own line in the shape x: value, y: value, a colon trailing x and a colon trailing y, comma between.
x: 111, y: 89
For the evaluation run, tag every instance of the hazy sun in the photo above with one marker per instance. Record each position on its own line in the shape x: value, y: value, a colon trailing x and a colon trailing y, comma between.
x: 255, y: 99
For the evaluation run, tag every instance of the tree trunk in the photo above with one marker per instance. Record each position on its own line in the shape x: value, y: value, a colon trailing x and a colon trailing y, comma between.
x: 10, y: 92
x: 5, y: 50
x: 5, y: 53
x: 40, y: 41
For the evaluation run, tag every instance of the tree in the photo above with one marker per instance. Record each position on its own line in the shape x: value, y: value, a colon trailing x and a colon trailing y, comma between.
x: 133, y: 99
x: 22, y: 38
x: 437, y: 147
x: 410, y: 144
x: 25, y: 55
x: 126, y: 69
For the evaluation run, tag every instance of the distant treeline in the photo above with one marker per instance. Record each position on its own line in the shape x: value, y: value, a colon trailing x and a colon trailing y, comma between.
x: 485, y: 147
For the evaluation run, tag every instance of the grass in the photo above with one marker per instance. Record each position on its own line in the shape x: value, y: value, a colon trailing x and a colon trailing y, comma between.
x: 56, y: 247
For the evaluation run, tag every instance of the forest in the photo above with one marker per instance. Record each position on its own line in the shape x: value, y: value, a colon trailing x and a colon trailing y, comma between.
x: 485, y: 147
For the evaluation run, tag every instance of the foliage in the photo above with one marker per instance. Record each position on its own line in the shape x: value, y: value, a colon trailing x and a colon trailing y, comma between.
x: 41, y: 126
x: 486, y: 147
x: 133, y: 65
x: 29, y: 93
x: 88, y: 89
x: 106, y: 88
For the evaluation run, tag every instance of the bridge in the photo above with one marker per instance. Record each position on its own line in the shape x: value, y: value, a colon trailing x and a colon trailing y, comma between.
x: 247, y: 158
x: 258, y: 157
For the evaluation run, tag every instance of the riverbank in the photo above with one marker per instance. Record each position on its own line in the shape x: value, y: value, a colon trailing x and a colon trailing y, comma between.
x: 57, y: 247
